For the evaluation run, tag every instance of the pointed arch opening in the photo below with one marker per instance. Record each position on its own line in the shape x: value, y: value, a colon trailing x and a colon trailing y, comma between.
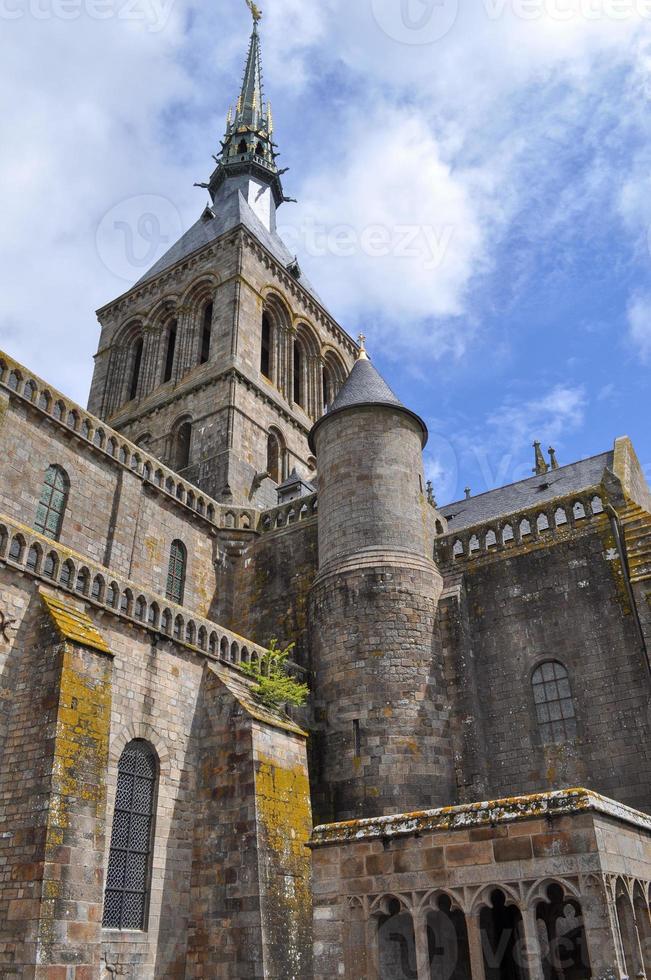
x: 275, y: 456
x: 182, y: 445
x: 206, y: 333
x: 170, y: 351
x: 265, y: 347
x: 136, y: 364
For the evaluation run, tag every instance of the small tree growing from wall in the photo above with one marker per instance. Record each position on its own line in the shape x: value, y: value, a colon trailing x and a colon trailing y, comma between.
x: 274, y: 683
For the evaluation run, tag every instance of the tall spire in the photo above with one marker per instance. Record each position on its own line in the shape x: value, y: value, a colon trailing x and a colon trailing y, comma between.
x: 247, y: 150
x: 250, y: 101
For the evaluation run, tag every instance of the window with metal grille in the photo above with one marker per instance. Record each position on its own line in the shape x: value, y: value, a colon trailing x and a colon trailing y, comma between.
x: 52, y: 505
x: 176, y: 572
x: 128, y: 878
x: 554, y: 704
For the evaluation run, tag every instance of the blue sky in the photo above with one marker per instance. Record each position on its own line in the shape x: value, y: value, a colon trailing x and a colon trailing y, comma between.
x: 473, y: 184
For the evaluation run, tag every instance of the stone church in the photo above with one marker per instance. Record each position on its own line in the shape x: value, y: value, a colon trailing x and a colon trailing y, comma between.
x: 242, y: 474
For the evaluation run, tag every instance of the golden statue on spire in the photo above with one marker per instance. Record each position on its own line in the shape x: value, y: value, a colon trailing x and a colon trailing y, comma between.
x: 256, y: 13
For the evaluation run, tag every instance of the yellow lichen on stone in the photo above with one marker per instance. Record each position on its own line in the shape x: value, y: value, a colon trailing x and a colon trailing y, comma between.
x: 282, y: 796
x: 73, y: 625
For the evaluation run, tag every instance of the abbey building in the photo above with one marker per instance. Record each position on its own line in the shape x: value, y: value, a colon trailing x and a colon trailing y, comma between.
x: 244, y: 474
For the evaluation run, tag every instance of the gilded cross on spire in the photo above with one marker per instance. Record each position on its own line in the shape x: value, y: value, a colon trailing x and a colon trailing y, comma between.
x: 362, y: 356
x: 256, y: 13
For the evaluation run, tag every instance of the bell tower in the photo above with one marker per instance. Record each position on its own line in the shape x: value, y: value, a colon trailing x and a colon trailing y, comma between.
x: 222, y: 356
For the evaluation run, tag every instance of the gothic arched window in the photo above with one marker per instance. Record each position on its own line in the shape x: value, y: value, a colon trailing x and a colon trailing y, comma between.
x: 274, y: 457
x: 554, y: 704
x: 206, y: 333
x: 265, y: 350
x: 299, y: 375
x: 52, y: 505
x: 128, y: 877
x: 176, y: 572
x: 135, y: 368
x: 328, y: 388
x: 182, y: 446
x: 169, y: 355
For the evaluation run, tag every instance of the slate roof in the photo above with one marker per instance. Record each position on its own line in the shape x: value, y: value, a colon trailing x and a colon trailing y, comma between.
x: 527, y: 493
x: 364, y: 384
x: 231, y: 209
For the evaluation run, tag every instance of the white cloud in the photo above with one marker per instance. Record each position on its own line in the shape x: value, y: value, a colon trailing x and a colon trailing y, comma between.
x: 391, y: 232
x: 437, y: 137
x: 548, y: 417
x: 639, y: 324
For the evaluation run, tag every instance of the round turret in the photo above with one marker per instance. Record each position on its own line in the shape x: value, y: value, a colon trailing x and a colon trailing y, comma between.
x: 371, y: 482
x: 384, y: 744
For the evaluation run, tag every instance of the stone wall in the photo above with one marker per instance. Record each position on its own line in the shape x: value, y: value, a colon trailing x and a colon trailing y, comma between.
x: 115, y: 516
x: 561, y: 599
x: 271, y: 584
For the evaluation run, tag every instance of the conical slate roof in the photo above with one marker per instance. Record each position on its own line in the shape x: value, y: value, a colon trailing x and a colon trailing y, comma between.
x: 364, y: 385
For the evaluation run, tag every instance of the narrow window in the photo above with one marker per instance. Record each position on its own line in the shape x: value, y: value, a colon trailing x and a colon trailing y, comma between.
x: 135, y: 369
x: 171, y: 347
x: 176, y: 573
x: 128, y: 878
x: 182, y: 448
x: 52, y: 505
x: 298, y: 376
x: 357, y: 739
x: 241, y: 148
x: 554, y: 704
x: 273, y: 457
x: 328, y: 388
x: 206, y: 333
x: 265, y: 353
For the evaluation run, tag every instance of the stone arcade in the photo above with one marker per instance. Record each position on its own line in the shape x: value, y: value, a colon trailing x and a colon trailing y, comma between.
x: 243, y: 473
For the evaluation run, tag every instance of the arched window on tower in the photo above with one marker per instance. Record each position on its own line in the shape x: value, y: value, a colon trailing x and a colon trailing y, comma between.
x: 171, y: 349
x: 274, y: 457
x: 183, y: 441
x: 206, y: 333
x: 554, y: 703
x: 176, y: 572
x: 136, y: 362
x: 128, y: 876
x: 52, y: 505
x: 241, y: 147
x: 265, y: 350
x: 328, y: 388
x: 299, y: 375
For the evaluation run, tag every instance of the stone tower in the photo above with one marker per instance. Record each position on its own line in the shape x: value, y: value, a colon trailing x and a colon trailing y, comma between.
x: 384, y: 745
x: 222, y: 356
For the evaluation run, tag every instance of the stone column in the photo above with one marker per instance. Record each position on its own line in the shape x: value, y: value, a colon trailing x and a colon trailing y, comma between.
x: 532, y: 945
x: 602, y: 930
x: 422, y: 945
x: 475, y: 946
x: 372, y: 949
x: 151, y: 341
x: 183, y: 342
